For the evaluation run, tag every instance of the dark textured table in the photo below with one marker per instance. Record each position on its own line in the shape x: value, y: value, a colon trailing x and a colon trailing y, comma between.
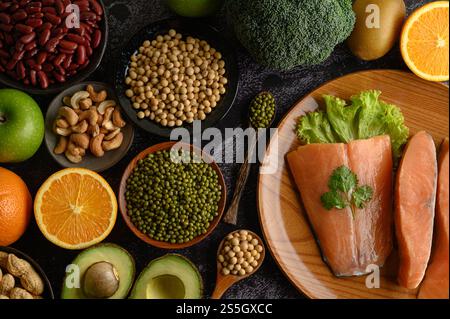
x: 127, y: 17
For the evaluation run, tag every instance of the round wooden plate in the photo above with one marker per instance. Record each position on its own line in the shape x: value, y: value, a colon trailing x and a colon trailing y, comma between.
x: 282, y: 217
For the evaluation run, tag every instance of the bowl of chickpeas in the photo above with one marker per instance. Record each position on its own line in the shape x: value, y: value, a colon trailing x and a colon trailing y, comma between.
x: 175, y: 72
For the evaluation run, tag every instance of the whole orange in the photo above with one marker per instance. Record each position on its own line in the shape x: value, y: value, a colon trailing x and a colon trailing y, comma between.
x: 15, y: 207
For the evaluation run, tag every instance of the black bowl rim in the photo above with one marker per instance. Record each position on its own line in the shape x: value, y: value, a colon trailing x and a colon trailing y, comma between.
x: 36, y: 266
x: 155, y: 128
x: 79, y: 77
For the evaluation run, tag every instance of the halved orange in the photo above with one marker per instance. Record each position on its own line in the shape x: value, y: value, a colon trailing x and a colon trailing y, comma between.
x: 424, y: 41
x: 75, y: 208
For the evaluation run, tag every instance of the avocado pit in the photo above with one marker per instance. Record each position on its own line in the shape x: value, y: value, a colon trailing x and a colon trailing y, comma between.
x: 101, y: 280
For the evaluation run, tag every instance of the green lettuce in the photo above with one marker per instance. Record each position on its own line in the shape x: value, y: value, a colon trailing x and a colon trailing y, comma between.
x: 367, y: 116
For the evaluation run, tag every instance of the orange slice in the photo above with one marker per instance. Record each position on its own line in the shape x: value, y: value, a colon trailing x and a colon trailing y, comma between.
x: 75, y: 208
x: 424, y: 42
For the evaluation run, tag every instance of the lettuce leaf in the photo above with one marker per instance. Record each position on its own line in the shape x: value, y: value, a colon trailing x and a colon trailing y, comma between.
x: 367, y: 116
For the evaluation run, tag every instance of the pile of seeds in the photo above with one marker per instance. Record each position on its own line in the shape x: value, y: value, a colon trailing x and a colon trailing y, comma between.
x: 262, y: 110
x: 173, y: 81
x: 173, y: 201
x: 241, y: 254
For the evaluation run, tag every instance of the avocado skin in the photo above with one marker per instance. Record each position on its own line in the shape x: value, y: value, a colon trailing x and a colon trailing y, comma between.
x: 103, y: 245
x: 162, y: 258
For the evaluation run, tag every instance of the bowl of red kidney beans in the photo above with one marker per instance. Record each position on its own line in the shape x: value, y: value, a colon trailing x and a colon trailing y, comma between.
x: 47, y: 46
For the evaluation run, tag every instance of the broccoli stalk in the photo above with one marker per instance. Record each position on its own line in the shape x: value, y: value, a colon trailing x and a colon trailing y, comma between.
x: 283, y: 34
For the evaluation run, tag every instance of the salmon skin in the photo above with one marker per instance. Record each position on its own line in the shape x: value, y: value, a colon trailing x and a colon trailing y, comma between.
x: 415, y: 198
x: 436, y: 282
x: 349, y: 245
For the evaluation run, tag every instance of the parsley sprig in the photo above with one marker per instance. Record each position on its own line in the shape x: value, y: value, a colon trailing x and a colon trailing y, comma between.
x: 345, y: 191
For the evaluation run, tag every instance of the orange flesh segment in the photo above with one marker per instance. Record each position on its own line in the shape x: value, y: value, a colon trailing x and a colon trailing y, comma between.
x: 74, y: 209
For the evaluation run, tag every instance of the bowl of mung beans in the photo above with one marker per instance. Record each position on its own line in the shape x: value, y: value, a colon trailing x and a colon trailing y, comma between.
x: 172, y: 195
x: 174, y: 72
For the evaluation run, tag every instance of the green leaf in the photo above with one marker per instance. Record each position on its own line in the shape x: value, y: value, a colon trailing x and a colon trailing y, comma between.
x: 343, y: 179
x: 315, y: 128
x: 362, y: 195
x: 332, y: 200
x: 343, y: 118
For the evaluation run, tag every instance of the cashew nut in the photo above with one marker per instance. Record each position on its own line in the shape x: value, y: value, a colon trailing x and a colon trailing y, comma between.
x: 19, y: 293
x: 66, y: 100
x: 69, y: 114
x: 81, y: 140
x: 114, y: 143
x: 61, y: 146
x: 73, y: 149
x: 2, y: 297
x: 91, y: 116
x: 97, y: 97
x: 100, y: 119
x: 103, y: 106
x: 62, y: 123
x: 96, y: 145
x: 93, y: 130
x: 77, y: 97
x: 85, y: 104
x: 63, y: 131
x: 107, y: 116
x: 1, y: 275
x: 73, y: 158
x: 117, y: 118
x: 81, y: 127
x: 112, y: 135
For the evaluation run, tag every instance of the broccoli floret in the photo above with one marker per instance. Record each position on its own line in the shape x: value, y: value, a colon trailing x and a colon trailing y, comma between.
x: 282, y: 34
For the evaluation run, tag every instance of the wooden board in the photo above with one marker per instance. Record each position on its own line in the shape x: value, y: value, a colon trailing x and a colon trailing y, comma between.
x: 425, y: 106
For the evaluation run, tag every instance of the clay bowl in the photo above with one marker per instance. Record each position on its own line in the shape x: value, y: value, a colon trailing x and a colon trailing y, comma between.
x: 123, y: 205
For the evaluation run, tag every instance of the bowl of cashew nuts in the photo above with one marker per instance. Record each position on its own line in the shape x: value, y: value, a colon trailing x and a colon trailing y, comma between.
x: 85, y: 127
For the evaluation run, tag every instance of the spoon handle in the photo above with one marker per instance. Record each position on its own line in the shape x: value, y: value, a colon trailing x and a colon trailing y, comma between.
x: 231, y: 215
x: 222, y: 285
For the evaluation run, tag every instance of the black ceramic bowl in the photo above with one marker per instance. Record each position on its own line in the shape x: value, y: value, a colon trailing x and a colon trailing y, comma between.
x: 48, y: 291
x: 186, y: 28
x: 95, y: 59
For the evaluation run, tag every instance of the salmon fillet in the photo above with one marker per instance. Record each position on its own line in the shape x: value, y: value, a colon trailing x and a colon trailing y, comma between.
x: 436, y: 282
x: 348, y: 244
x: 415, y: 199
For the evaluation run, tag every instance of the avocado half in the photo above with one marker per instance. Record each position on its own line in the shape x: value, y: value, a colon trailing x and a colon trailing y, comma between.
x: 169, y: 277
x: 115, y: 255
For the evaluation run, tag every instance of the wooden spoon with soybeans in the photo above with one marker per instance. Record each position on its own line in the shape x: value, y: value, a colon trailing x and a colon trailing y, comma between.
x: 240, y: 255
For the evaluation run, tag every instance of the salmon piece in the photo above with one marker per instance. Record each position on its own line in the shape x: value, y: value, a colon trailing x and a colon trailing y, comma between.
x: 436, y: 282
x: 415, y: 198
x: 348, y: 245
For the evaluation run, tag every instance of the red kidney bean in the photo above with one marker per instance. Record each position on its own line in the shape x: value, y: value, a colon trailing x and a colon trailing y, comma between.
x: 44, y: 37
x: 73, y: 66
x: 76, y: 38
x: 44, y: 26
x: 89, y: 50
x: 31, y: 53
x: 47, y: 67
x: 6, y: 27
x: 11, y: 64
x: 20, y: 70
x: 60, y: 7
x: 13, y: 8
x: 18, y: 55
x: 52, y: 44
x: 22, y: 28
x: 41, y: 57
x: 43, y: 79
x: 86, y: 15
x: 81, y: 54
x: 19, y: 46
x: 31, y: 46
x: 34, y: 23
x: 48, y: 2
x: 96, y: 7
x: 4, y: 6
x: 33, y: 79
x: 58, y: 77
x: 61, y: 70
x: 39, y: 15
x: 96, y: 39
x: 27, y: 38
x: 5, y: 18
x: 20, y: 15
x: 9, y: 39
x: 1, y: 44
x: 68, y: 45
x: 33, y: 65
x: 59, y: 59
x: 23, y: 3
x: 49, y: 10
x: 67, y: 62
x: 52, y: 18
x: 35, y: 4
x: 31, y: 10
x: 67, y: 52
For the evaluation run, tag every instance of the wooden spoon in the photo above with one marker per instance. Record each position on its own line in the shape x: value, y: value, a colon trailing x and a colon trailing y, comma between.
x: 223, y: 283
x: 230, y: 216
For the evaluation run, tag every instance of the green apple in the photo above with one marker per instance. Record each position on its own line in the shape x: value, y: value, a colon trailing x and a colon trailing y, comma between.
x: 21, y: 126
x: 194, y: 8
